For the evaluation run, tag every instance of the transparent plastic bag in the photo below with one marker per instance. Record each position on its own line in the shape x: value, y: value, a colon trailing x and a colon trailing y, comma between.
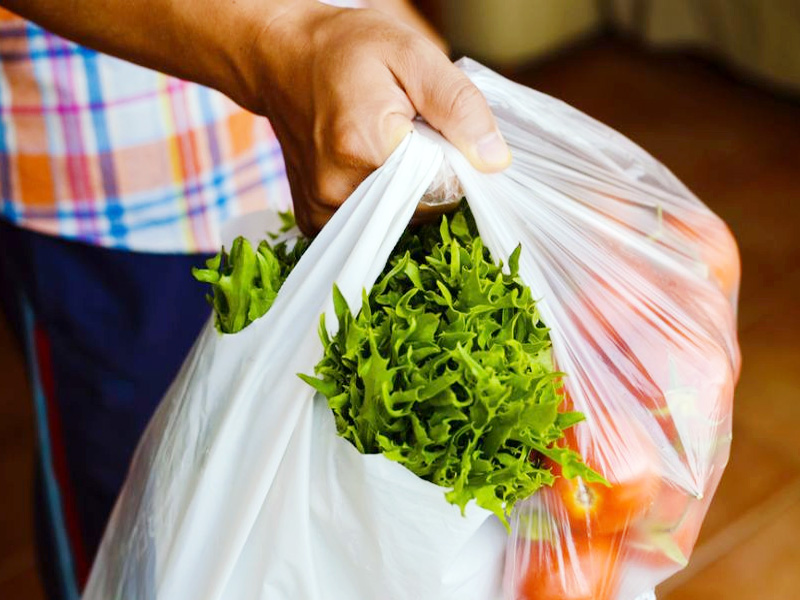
x: 241, y: 489
x: 638, y: 282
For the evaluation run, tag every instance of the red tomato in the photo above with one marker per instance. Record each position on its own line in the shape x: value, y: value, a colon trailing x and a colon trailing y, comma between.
x: 632, y: 467
x: 717, y: 249
x: 667, y: 535
x: 581, y: 570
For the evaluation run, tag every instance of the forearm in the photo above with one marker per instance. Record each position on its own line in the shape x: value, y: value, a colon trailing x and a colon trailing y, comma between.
x: 207, y: 41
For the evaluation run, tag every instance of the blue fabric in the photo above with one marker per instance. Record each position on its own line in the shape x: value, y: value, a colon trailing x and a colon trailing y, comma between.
x: 119, y: 325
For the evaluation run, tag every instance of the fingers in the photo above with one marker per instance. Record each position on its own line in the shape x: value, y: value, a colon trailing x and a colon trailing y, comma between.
x: 451, y: 103
x: 354, y: 139
x: 357, y: 103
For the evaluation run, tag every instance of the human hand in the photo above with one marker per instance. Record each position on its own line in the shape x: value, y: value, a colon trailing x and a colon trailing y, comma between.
x: 341, y: 88
x: 407, y: 13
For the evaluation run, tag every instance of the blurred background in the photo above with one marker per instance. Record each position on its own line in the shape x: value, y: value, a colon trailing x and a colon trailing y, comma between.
x: 712, y: 89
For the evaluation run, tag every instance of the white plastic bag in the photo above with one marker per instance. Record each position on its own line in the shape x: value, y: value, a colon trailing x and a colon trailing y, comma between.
x: 240, y: 487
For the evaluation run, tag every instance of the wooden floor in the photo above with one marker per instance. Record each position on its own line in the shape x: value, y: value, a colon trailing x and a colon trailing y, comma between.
x: 738, y: 148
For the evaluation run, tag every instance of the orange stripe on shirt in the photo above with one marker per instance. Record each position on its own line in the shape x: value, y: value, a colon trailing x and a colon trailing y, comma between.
x: 192, y: 149
x: 7, y: 15
x: 240, y: 129
x: 36, y: 179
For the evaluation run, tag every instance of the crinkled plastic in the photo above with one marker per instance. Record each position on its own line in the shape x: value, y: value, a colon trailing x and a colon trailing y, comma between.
x: 240, y: 487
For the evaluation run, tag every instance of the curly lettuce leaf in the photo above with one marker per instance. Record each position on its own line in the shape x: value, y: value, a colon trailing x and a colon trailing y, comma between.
x: 447, y: 369
x: 245, y: 282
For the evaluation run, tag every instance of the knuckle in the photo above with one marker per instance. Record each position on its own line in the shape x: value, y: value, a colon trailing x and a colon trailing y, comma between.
x: 346, y: 154
x: 333, y: 186
x: 415, y: 48
x: 410, y: 55
x: 349, y: 145
x: 329, y: 189
x: 464, y: 99
x: 354, y: 141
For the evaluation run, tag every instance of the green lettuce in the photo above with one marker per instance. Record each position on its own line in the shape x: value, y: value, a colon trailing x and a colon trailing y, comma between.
x: 245, y: 282
x: 446, y: 368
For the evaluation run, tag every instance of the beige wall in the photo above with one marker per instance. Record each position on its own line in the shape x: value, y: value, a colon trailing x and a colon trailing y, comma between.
x: 760, y: 37
x: 513, y: 31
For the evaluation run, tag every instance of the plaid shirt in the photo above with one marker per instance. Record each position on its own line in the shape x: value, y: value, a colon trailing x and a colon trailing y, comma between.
x: 96, y: 149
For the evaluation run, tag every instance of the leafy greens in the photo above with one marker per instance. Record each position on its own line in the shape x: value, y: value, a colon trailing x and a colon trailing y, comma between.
x: 245, y: 282
x: 446, y: 368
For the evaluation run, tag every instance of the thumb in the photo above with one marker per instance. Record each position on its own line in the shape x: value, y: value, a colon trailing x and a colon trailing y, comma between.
x: 451, y: 103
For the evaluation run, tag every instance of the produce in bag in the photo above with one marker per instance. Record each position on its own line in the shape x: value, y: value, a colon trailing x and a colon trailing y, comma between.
x: 241, y: 487
x: 445, y: 369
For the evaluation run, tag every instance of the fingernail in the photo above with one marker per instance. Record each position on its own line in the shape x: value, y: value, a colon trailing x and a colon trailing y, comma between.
x: 493, y: 151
